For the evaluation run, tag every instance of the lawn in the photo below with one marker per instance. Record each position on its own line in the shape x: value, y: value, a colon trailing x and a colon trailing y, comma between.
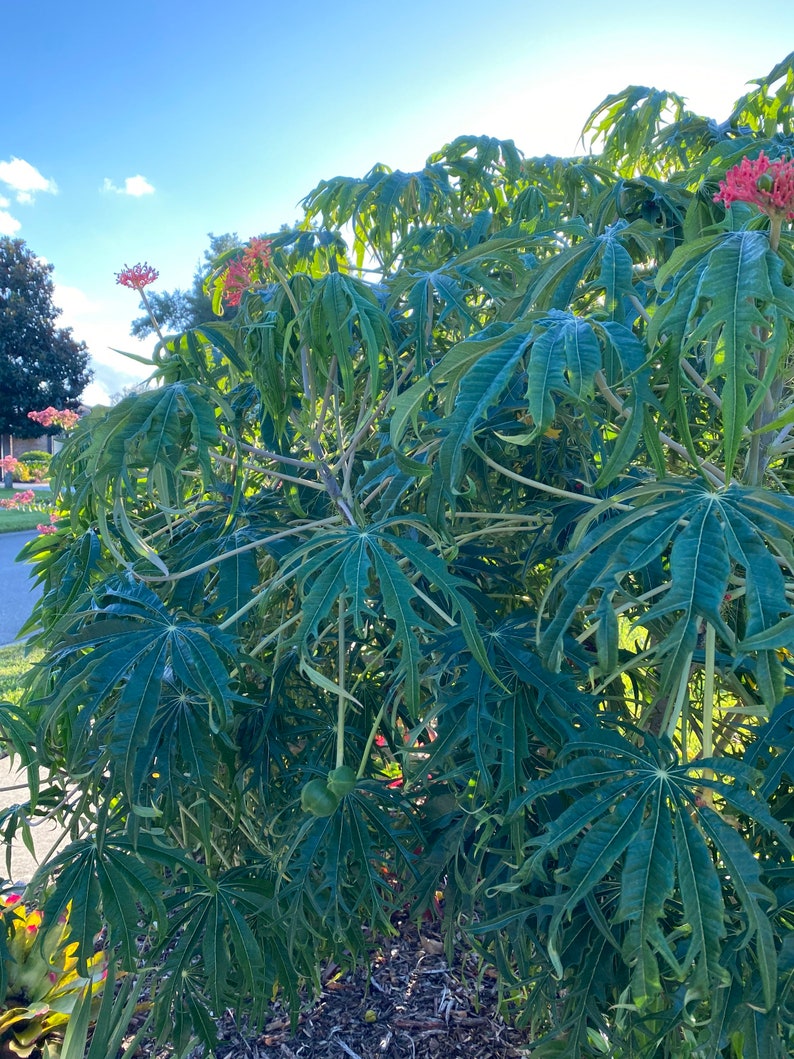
x: 26, y: 517
x: 15, y: 661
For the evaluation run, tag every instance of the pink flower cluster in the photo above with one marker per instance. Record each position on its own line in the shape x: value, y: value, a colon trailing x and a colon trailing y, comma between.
x: 8, y: 465
x: 241, y: 273
x: 51, y: 528
x: 768, y: 185
x: 26, y: 496
x: 137, y: 276
x: 55, y: 417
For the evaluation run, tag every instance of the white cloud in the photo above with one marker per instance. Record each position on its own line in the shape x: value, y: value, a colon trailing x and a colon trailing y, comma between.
x: 74, y: 303
x: 25, y: 180
x: 8, y: 224
x: 133, y: 185
x: 104, y: 328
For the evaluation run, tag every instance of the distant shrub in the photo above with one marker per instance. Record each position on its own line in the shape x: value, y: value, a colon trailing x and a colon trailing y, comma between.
x: 35, y: 456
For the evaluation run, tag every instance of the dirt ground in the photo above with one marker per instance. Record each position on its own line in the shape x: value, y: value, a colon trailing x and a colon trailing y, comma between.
x: 412, y: 1005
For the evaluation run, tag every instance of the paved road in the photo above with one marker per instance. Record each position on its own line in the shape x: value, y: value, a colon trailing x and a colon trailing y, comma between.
x: 17, y: 594
x: 13, y: 791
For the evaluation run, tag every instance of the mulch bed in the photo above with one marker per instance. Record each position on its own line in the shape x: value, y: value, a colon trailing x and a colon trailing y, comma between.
x: 411, y: 1005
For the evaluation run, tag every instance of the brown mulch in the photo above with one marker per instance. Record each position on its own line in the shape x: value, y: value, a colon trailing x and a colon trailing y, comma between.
x: 410, y: 1005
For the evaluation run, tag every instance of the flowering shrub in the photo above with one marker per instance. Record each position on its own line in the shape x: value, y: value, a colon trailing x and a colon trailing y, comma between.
x: 766, y: 184
x: 8, y: 464
x: 55, y: 417
x: 42, y: 983
x: 244, y: 272
x: 470, y: 571
x: 43, y: 527
x: 21, y: 499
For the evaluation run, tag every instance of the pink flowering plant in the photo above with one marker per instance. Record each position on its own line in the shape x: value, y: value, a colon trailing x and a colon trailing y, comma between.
x: 769, y: 185
x: 138, y: 277
x: 451, y: 574
x: 55, y: 417
x: 245, y: 272
x: 23, y: 498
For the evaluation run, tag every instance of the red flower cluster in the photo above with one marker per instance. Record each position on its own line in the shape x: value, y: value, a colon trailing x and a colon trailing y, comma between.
x: 137, y: 277
x: 55, y: 417
x: 769, y: 185
x: 236, y: 280
x: 241, y: 273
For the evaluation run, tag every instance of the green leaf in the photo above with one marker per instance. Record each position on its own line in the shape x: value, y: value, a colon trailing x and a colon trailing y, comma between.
x: 646, y: 885
x: 479, y: 390
x: 732, y: 300
x: 564, y: 360
x: 703, y: 906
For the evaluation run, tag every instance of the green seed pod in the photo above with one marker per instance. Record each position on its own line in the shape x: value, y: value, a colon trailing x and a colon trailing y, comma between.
x: 765, y: 182
x: 341, y: 781
x: 317, y: 799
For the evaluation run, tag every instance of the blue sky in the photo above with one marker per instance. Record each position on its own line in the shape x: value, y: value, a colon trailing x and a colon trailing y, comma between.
x: 129, y: 132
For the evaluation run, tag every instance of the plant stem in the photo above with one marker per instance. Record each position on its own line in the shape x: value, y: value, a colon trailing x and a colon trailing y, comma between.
x: 707, y: 739
x: 152, y: 317
x: 674, y: 714
x: 341, y: 704
x: 370, y: 740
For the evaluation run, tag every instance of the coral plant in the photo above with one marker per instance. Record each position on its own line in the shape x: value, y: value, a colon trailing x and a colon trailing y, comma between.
x: 42, y: 983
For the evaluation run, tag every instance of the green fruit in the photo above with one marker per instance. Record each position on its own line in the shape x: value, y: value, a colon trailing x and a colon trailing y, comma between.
x: 341, y: 781
x: 317, y: 799
x: 765, y: 182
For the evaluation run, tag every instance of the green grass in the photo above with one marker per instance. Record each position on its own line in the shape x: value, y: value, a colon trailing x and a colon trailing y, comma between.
x: 15, y: 661
x: 26, y: 517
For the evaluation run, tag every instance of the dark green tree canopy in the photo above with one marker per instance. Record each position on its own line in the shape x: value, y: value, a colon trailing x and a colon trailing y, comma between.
x: 41, y: 364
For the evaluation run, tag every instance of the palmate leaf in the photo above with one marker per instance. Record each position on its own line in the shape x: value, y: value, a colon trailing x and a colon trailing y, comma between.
x: 564, y: 359
x: 365, y: 566
x: 108, y: 675
x: 626, y: 125
x: 100, y: 883
x: 729, y: 296
x: 213, y: 951
x: 381, y: 205
x: 65, y: 574
x: 159, y: 432
x: 564, y: 356
x: 342, y: 319
x: 420, y: 292
x: 705, y: 534
x: 338, y: 871
x: 497, y: 727
x: 635, y: 815
x: 600, y: 262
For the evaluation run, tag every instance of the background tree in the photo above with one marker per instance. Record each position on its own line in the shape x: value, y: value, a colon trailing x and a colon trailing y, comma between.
x: 179, y: 310
x: 457, y: 562
x: 41, y: 364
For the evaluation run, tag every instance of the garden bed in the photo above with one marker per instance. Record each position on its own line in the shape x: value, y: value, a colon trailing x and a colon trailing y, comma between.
x: 411, y: 1004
